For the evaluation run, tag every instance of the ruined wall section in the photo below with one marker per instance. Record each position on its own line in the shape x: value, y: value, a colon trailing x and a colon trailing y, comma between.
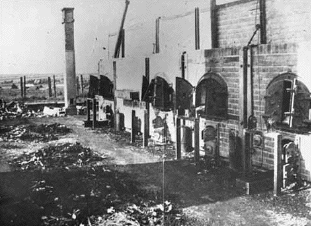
x: 129, y: 74
x: 176, y: 32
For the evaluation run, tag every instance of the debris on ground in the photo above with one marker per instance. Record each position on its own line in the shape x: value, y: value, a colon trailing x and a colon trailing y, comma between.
x: 34, y: 133
x: 62, y: 185
x: 17, y: 109
x: 81, y: 110
x: 53, y: 111
x: 147, y: 213
x: 56, y: 156
x: 93, y: 196
x: 166, y: 151
x: 10, y: 110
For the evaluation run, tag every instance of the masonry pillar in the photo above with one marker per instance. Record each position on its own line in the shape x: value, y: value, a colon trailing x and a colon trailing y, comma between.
x: 70, y: 76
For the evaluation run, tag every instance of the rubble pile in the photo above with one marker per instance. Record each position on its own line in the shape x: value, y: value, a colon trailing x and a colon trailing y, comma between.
x: 35, y: 133
x: 148, y: 213
x: 56, y: 156
x: 15, y: 109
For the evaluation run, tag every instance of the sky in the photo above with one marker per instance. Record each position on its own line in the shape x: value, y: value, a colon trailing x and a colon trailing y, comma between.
x: 32, y: 33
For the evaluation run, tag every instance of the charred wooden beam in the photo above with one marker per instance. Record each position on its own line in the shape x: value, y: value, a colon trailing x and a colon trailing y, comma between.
x: 119, y: 40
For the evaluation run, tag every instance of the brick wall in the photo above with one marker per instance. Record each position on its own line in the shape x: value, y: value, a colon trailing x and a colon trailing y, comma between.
x: 287, y: 21
x: 268, y: 62
x: 225, y: 62
x: 236, y: 23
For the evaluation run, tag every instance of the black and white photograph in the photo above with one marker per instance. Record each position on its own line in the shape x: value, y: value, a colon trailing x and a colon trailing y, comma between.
x: 155, y: 112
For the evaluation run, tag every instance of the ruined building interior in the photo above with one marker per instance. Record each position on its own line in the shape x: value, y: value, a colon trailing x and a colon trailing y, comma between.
x: 229, y: 80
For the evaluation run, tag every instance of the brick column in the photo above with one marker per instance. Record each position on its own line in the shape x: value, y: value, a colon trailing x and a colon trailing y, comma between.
x: 70, y: 76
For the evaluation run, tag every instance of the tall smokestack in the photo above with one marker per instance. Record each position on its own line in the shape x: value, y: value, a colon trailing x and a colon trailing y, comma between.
x: 70, y: 77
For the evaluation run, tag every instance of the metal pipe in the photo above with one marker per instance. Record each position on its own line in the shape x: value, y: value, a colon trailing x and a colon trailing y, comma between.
x: 245, y: 90
x: 255, y: 32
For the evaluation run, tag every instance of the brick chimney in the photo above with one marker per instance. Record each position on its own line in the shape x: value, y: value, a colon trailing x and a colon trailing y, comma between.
x: 70, y: 76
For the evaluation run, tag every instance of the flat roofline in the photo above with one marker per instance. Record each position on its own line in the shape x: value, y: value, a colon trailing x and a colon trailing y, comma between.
x: 68, y: 9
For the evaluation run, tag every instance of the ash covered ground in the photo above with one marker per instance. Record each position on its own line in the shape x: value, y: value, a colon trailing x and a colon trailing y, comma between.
x: 54, y: 171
